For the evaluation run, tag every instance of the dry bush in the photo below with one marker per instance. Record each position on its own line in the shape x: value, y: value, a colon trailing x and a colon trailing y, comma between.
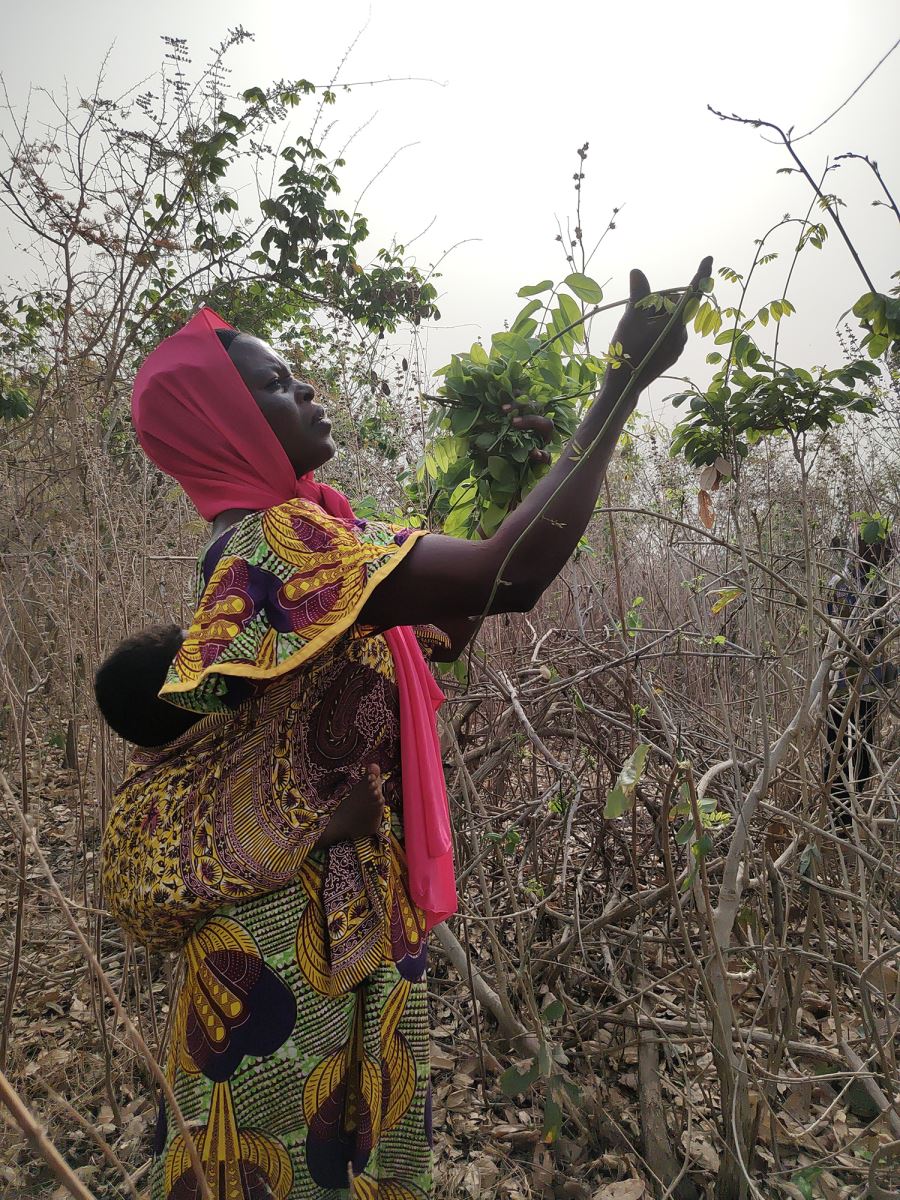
x: 580, y: 952
x: 698, y: 995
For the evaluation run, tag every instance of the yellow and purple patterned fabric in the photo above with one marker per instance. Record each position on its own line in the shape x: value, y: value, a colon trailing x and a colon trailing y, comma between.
x: 290, y: 1094
x: 299, y: 1052
x: 231, y: 810
x: 274, y: 591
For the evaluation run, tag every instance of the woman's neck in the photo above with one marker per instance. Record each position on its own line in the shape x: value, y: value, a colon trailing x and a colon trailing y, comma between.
x: 226, y: 519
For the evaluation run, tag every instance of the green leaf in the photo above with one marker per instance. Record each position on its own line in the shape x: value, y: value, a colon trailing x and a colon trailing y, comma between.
x: 534, y: 289
x: 456, y: 523
x: 711, y: 321
x: 492, y: 517
x: 584, y: 287
x: 683, y: 836
x: 564, y: 339
x: 804, y: 1181
x: 462, y: 419
x: 513, y: 1081
x: 501, y: 470
x: 702, y: 847
x: 531, y: 307
x: 524, y: 328
x: 14, y: 404
x: 571, y: 313
x: 552, y: 1121
x: 621, y: 797
x: 866, y: 304
x: 553, y: 1011
x: 726, y: 595
x: 512, y: 345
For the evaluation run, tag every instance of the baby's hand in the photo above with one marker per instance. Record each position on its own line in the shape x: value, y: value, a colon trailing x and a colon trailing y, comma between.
x: 359, y: 814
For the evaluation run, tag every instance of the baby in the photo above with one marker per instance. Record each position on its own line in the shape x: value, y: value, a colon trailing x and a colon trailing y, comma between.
x: 127, y: 683
x: 126, y: 688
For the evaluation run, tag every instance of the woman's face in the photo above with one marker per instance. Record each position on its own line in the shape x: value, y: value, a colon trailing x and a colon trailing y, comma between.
x: 300, y: 424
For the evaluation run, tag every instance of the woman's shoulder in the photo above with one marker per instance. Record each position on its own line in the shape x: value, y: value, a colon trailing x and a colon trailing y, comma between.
x: 298, y: 530
x: 276, y: 591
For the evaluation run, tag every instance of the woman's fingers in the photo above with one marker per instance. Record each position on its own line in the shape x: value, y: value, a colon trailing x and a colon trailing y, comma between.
x: 639, y: 287
x: 533, y: 423
x: 542, y: 426
x: 703, y: 271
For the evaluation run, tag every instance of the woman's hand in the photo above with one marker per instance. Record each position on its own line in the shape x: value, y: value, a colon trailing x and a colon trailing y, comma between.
x: 446, y: 579
x: 542, y: 426
x: 639, y: 329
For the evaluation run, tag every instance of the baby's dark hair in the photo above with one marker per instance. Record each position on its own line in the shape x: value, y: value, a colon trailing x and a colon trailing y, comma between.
x: 127, y: 683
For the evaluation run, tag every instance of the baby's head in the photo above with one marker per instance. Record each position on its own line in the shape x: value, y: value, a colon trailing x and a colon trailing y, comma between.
x: 127, y: 683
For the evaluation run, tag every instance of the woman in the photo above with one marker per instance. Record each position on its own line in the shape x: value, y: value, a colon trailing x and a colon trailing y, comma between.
x: 299, y: 1051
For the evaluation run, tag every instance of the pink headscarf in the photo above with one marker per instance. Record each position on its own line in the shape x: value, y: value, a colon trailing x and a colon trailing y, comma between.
x: 195, y: 418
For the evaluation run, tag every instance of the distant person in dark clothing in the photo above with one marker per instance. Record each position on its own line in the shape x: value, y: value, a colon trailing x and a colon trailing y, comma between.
x: 856, y: 596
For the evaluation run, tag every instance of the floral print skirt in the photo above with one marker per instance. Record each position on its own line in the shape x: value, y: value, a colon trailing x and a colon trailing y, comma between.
x: 291, y: 1094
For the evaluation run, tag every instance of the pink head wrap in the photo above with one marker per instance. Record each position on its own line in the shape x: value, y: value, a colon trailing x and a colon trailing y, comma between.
x: 195, y: 418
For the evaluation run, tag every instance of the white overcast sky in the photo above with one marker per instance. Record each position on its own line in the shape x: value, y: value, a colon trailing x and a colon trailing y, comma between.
x: 490, y: 147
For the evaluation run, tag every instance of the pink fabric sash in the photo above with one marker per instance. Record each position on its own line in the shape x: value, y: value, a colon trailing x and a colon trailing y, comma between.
x: 195, y: 418
x: 426, y: 817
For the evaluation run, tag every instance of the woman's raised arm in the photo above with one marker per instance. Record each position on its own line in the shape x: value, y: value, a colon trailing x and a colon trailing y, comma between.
x: 445, y: 579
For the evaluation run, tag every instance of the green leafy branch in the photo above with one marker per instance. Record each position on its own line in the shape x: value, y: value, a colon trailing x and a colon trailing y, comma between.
x: 730, y: 417
x: 544, y: 1066
x: 878, y: 313
x: 699, y: 819
x: 479, y: 460
x: 873, y: 527
x: 750, y: 394
x: 880, y: 317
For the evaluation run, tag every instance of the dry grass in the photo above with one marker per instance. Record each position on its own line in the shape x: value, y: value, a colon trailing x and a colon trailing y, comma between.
x: 767, y: 985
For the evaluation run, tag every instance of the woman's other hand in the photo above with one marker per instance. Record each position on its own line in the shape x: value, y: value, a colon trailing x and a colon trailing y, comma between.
x: 531, y: 422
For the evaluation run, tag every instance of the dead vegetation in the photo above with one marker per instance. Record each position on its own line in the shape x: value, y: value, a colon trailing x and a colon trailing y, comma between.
x: 695, y: 994
x: 611, y: 997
